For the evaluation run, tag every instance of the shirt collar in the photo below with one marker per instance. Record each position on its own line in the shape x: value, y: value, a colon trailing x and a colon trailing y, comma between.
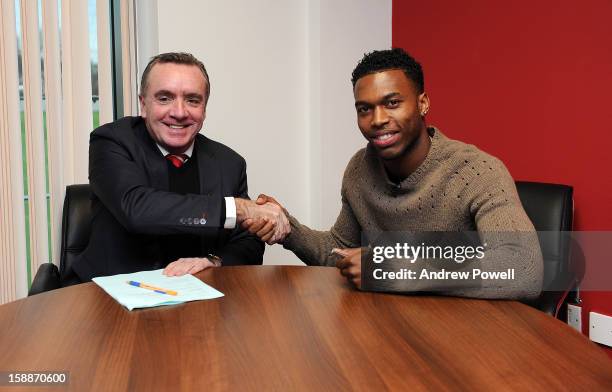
x: 189, y: 151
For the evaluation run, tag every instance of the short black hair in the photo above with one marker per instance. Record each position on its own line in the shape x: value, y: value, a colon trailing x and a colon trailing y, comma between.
x: 174, y: 58
x: 395, y: 58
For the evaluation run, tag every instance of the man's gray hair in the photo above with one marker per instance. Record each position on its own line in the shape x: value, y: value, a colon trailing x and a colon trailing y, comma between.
x: 174, y: 58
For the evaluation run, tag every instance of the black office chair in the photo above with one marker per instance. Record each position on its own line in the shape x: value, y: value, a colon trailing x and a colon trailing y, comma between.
x: 76, y: 227
x: 551, y: 208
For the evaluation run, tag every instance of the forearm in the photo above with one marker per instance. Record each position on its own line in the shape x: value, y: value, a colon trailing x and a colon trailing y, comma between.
x: 313, y: 247
x: 147, y: 211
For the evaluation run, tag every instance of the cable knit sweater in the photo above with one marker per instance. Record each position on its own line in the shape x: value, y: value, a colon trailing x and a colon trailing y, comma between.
x: 456, y: 188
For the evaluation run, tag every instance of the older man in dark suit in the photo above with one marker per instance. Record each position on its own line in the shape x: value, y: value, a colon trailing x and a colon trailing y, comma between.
x: 166, y: 196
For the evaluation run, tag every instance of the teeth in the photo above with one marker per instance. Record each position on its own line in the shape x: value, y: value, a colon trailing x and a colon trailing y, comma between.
x: 384, y: 136
x: 177, y: 126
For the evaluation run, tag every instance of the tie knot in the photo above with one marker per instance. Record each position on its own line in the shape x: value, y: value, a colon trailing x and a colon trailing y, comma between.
x: 177, y: 160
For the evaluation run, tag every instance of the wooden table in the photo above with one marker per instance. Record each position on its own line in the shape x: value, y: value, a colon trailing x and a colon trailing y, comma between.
x: 294, y: 328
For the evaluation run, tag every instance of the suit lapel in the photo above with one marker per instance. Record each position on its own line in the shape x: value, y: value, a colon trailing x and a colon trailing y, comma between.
x: 208, y: 167
x: 155, y: 162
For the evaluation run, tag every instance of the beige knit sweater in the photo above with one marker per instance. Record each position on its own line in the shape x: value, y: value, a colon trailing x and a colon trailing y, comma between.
x: 457, y: 188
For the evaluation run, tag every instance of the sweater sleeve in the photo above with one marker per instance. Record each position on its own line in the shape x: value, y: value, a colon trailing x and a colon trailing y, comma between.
x: 313, y: 247
x: 512, y: 242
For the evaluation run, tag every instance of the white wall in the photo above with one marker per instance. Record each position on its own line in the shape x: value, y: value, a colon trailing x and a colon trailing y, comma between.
x: 348, y: 30
x: 280, y: 88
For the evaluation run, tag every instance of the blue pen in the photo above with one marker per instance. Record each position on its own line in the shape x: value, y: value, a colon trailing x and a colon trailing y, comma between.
x: 153, y: 288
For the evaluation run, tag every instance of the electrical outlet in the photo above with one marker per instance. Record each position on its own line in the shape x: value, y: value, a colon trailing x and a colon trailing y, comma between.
x: 600, y: 328
x: 574, y: 317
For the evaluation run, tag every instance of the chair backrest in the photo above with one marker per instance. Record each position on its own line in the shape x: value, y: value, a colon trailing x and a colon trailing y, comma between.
x: 76, y: 226
x: 551, y: 209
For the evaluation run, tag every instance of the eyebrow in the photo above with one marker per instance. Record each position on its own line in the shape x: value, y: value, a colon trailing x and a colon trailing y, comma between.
x: 385, y: 98
x: 390, y: 95
x: 189, y: 95
x: 163, y: 92
x: 195, y: 95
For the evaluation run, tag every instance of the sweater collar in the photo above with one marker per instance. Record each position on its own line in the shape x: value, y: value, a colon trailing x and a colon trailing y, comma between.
x: 432, y: 157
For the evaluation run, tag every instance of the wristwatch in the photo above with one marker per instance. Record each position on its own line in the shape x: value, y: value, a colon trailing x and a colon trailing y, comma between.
x: 216, y: 260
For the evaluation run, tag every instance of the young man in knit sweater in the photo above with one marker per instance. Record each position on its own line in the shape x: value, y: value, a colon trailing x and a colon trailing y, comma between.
x: 412, y: 178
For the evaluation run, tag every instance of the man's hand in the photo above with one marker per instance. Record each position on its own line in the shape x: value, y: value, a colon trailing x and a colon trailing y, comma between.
x: 263, y: 199
x: 190, y: 265
x: 350, y: 264
x: 269, y: 228
x: 262, y: 228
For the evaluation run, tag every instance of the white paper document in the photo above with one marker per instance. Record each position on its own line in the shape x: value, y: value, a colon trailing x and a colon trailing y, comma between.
x: 187, y: 288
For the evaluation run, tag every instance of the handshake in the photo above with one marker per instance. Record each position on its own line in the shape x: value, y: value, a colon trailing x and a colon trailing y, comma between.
x: 265, y: 218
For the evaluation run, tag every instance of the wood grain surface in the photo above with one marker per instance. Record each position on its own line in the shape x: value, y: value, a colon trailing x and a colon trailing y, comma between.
x: 296, y: 328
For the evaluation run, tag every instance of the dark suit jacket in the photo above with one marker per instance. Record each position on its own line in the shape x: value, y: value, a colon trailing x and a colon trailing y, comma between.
x: 132, y: 206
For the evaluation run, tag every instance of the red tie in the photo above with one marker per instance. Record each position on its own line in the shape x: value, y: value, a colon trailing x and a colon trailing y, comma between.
x: 177, y: 160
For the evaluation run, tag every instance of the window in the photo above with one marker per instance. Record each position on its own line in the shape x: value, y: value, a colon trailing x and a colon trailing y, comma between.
x: 56, y: 85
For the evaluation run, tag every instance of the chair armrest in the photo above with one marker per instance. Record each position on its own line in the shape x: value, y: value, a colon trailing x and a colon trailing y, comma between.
x: 550, y: 302
x: 552, y: 298
x: 47, y: 278
x: 562, y: 289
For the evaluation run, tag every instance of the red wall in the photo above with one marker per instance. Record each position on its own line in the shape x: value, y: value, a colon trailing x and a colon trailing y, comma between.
x: 529, y: 82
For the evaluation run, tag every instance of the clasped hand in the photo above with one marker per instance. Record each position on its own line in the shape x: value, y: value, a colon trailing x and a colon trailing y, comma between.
x: 265, y: 218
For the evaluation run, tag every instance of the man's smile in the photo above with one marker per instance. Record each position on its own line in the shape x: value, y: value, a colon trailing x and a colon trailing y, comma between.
x: 175, y: 128
x: 385, y: 138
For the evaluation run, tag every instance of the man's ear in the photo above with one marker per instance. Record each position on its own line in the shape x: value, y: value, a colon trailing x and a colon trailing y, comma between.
x: 141, y: 99
x: 423, y: 101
